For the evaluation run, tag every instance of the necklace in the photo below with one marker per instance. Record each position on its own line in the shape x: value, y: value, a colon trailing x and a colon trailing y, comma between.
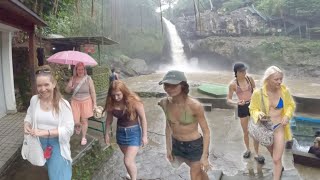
x: 46, y: 106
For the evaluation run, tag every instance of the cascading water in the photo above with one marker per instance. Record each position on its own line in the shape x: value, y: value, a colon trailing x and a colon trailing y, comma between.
x: 179, y: 59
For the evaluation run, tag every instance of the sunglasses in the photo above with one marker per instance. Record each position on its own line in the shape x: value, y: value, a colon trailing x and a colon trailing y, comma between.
x: 43, y: 71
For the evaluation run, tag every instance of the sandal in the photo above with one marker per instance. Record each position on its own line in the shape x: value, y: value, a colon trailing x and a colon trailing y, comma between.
x: 83, y: 141
x: 247, y: 154
x: 77, y: 129
x: 260, y: 159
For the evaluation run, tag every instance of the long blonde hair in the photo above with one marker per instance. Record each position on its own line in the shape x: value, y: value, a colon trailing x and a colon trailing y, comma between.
x: 129, y: 97
x: 47, y: 71
x: 270, y: 71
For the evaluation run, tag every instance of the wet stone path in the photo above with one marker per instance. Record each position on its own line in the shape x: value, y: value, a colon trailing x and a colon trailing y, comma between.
x: 226, y: 150
x: 226, y: 146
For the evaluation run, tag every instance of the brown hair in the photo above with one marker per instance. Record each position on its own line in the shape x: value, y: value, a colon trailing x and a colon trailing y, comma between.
x: 47, y: 71
x: 129, y: 97
x: 184, y: 87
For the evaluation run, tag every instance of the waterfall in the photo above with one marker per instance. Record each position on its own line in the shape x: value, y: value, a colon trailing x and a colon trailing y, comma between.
x: 179, y: 59
x: 177, y: 52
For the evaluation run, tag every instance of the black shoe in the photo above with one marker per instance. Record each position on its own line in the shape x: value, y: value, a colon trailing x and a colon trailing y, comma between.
x: 260, y: 159
x: 246, y: 154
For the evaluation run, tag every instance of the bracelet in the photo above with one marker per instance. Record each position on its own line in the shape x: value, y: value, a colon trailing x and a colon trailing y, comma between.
x: 49, y: 133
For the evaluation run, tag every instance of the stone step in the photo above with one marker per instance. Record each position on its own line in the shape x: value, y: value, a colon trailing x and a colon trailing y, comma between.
x: 220, y: 103
x: 207, y: 106
x: 77, y: 150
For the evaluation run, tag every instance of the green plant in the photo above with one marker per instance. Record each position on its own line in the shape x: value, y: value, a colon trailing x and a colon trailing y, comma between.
x: 90, y: 162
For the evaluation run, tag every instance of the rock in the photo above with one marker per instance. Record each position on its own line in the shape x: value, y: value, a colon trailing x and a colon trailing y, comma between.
x: 137, y: 65
x: 129, y: 67
x: 235, y: 23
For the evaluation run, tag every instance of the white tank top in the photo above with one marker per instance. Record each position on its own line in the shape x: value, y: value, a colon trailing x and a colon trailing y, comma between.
x: 46, y: 120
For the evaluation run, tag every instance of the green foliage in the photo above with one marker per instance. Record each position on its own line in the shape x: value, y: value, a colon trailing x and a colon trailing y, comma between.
x: 183, y: 7
x: 283, y: 51
x: 24, y: 91
x: 123, y: 26
x: 100, y: 77
x: 233, y: 5
x: 90, y: 162
x: 297, y: 8
x: 59, y: 24
x: 146, y: 42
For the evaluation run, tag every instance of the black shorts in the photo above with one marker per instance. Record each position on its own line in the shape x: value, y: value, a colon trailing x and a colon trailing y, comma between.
x: 243, y: 111
x: 190, y: 150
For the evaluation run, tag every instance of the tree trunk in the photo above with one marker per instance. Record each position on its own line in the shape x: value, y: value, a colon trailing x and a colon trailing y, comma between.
x: 35, y: 6
x: 102, y: 16
x: 199, y: 16
x: 211, y: 5
x: 195, y: 8
x: 92, y: 7
x: 161, y: 17
x: 77, y: 6
x: 141, y: 18
x: 40, y: 12
x: 55, y: 7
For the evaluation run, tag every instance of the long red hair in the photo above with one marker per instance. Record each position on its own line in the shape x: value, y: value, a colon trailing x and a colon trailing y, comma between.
x: 129, y: 98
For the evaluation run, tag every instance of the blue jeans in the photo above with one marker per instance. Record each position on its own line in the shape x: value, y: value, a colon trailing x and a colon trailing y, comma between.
x: 129, y: 136
x: 58, y: 167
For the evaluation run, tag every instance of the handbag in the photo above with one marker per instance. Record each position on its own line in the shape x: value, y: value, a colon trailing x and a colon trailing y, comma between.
x: 262, y: 131
x: 31, y: 149
x: 98, y: 112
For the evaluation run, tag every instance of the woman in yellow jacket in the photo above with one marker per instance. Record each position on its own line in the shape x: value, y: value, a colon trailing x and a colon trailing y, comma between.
x: 279, y: 108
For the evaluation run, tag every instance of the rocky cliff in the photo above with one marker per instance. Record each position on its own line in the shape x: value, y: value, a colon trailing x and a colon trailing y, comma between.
x: 242, y: 35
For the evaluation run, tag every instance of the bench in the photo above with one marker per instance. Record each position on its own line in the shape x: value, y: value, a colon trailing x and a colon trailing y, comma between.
x: 102, y: 122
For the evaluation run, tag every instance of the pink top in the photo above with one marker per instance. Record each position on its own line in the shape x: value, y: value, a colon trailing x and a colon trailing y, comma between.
x: 244, y: 94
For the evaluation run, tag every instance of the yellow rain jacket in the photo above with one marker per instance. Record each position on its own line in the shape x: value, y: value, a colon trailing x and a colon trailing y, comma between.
x: 289, y: 107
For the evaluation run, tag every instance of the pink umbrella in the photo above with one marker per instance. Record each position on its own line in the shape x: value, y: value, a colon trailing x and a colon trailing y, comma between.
x: 72, y: 58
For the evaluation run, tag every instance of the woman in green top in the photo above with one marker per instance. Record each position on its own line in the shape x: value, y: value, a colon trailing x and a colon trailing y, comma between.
x: 183, y: 115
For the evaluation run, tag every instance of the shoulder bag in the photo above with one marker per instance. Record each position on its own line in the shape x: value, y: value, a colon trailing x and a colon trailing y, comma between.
x: 262, y: 131
x: 79, y: 85
x: 32, y: 150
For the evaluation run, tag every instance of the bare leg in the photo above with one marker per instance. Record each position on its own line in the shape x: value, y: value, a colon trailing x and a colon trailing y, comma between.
x: 244, y: 125
x: 84, y: 127
x: 256, y: 146
x: 270, y: 149
x: 195, y: 171
x: 278, y: 148
x: 130, y: 153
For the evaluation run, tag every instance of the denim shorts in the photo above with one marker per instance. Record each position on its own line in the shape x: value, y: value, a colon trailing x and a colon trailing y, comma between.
x: 190, y: 150
x: 129, y: 136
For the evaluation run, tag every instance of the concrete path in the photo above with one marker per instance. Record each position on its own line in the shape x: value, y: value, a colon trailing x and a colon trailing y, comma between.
x: 13, y: 167
x: 11, y: 137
